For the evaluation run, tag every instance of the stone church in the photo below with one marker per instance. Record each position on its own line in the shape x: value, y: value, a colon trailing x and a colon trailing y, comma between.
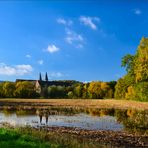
x: 40, y: 84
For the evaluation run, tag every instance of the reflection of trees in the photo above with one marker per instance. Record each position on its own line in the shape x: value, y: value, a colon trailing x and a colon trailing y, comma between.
x: 101, y: 112
x: 24, y: 112
x: 133, y: 119
x: 9, y: 112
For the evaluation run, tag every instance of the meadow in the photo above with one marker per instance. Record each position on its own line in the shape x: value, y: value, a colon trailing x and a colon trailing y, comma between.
x: 75, y: 103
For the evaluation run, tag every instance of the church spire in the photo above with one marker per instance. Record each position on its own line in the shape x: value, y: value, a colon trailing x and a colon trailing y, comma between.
x: 46, y: 77
x: 40, y: 77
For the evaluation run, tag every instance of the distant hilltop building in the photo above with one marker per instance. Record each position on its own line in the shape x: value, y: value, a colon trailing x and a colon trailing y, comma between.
x: 41, y: 84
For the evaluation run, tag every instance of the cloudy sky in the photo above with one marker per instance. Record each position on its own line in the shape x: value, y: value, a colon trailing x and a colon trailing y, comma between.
x: 82, y: 40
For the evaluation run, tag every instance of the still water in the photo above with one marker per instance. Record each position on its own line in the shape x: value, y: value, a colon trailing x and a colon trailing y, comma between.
x: 93, y: 119
x: 80, y: 120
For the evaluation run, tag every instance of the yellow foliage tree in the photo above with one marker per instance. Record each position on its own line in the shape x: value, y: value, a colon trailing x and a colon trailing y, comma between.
x: 141, y: 61
x: 130, y: 92
x: 100, y: 90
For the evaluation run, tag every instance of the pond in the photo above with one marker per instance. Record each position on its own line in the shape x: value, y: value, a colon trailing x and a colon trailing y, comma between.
x: 91, y: 119
x: 79, y: 120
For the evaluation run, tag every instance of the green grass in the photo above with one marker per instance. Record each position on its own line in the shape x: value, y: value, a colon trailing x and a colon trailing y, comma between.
x: 12, y: 138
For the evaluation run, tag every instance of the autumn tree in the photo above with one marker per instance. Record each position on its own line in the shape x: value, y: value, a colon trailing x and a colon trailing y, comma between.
x: 134, y: 84
x: 78, y: 90
x: 25, y: 89
x: 85, y: 93
x: 141, y: 61
x: 99, y: 90
x: 8, y: 89
x: 122, y: 86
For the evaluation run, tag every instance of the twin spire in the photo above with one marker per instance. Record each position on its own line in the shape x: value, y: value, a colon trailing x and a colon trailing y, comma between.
x: 46, y: 77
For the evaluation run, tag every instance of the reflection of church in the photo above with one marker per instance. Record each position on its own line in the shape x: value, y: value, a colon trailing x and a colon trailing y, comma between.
x: 43, y: 114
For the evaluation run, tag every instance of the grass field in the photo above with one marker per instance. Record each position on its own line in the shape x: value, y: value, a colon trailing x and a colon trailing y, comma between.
x: 14, y: 139
x: 85, y: 103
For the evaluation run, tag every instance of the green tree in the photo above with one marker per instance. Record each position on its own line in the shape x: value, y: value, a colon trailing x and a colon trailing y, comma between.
x: 61, y: 93
x: 141, y: 91
x: 44, y: 91
x: 70, y: 95
x: 122, y: 86
x: 56, y: 92
x: 8, y: 89
x: 1, y: 90
x: 128, y: 63
x: 112, y: 85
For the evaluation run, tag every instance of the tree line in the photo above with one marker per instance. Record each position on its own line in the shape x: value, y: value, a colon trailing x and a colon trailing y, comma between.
x: 23, y: 89
x: 26, y: 89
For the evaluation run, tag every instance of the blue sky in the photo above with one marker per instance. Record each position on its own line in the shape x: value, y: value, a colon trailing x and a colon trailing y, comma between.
x: 78, y: 40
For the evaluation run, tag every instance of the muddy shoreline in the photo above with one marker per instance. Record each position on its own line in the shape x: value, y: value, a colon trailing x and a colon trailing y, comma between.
x: 109, y: 138
x: 115, y: 138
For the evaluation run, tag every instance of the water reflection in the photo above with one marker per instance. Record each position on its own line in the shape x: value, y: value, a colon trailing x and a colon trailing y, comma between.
x: 133, y: 120
x: 106, y: 119
x: 45, y: 114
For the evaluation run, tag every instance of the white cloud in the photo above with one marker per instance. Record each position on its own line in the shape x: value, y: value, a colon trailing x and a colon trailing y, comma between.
x: 40, y: 62
x: 52, y: 48
x: 89, y: 21
x: 28, y: 56
x: 73, y: 37
x: 15, y: 70
x: 64, y: 22
x: 137, y: 11
x: 61, y: 21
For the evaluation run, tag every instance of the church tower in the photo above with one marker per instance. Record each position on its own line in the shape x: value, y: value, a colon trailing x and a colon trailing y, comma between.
x: 46, y: 77
x: 40, y: 77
